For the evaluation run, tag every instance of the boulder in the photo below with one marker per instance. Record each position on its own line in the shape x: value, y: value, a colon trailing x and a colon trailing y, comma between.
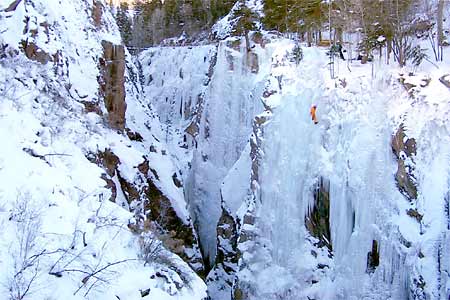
x: 13, y: 6
x: 405, y: 150
x: 445, y: 80
x: 33, y: 52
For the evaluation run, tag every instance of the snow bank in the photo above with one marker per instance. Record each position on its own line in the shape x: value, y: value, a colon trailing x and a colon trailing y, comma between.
x: 61, y: 236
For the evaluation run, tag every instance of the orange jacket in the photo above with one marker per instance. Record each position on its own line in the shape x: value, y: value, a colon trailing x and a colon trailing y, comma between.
x: 313, y: 114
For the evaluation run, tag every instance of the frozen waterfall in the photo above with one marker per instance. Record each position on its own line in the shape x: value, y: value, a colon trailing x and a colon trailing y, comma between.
x: 350, y: 148
x: 378, y: 243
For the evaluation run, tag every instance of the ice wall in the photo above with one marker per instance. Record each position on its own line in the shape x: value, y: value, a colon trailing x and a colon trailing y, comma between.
x: 175, y: 80
x: 350, y: 147
x: 207, y: 98
x: 232, y: 101
x: 383, y: 245
x: 290, y: 165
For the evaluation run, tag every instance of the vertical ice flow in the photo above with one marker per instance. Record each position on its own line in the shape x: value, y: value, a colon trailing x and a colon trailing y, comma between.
x: 231, y: 102
x: 350, y: 147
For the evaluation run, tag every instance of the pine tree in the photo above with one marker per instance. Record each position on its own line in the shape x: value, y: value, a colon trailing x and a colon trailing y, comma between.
x: 293, y: 15
x: 199, y: 12
x: 220, y: 8
x: 246, y: 20
x: 172, y: 15
x: 276, y: 14
x: 124, y: 23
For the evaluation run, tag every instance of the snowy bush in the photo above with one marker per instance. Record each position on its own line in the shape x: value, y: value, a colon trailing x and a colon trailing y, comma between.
x: 25, y: 255
x: 297, y: 54
x: 150, y: 246
x: 416, y: 55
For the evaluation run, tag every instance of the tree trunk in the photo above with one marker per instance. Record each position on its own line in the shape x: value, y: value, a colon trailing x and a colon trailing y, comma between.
x: 440, y: 33
x: 388, y: 51
x: 339, y: 36
x: 309, y: 37
x: 247, y: 42
x: 401, y: 56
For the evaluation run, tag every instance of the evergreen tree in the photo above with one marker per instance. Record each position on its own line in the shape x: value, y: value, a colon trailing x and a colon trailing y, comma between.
x: 124, y: 23
x: 199, y: 12
x: 156, y: 20
x: 220, y: 8
x: 246, y: 19
x: 292, y: 15
x: 172, y: 14
x: 246, y: 22
x: 275, y: 14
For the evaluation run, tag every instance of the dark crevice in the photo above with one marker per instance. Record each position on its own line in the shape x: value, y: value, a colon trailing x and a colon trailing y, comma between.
x: 373, y: 258
x: 318, y: 220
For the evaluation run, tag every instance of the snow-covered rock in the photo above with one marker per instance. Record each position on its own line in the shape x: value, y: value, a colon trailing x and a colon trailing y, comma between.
x: 78, y: 134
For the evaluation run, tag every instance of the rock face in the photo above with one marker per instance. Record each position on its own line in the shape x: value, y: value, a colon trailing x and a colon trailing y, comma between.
x: 33, y: 52
x: 373, y: 258
x: 112, y: 83
x: 404, y: 149
x: 176, y: 235
x: 220, y: 278
x: 226, y: 232
x: 318, y: 219
x: 242, y: 288
x: 152, y: 209
x: 97, y: 12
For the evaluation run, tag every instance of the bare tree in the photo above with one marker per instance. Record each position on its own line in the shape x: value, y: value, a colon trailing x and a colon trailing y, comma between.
x: 74, y: 259
x: 24, y: 251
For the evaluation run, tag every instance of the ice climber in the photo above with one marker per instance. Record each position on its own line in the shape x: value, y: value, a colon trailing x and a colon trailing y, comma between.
x: 313, y: 114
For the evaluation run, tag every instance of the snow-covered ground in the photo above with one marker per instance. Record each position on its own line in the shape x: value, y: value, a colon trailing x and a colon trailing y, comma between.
x: 61, y: 237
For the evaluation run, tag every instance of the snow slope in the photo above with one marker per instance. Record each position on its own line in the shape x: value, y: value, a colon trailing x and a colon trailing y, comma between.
x: 230, y: 132
x: 62, y: 237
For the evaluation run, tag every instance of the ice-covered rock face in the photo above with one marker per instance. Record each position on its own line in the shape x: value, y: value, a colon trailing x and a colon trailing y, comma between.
x: 379, y: 238
x: 207, y: 97
x: 345, y: 209
x: 302, y: 211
